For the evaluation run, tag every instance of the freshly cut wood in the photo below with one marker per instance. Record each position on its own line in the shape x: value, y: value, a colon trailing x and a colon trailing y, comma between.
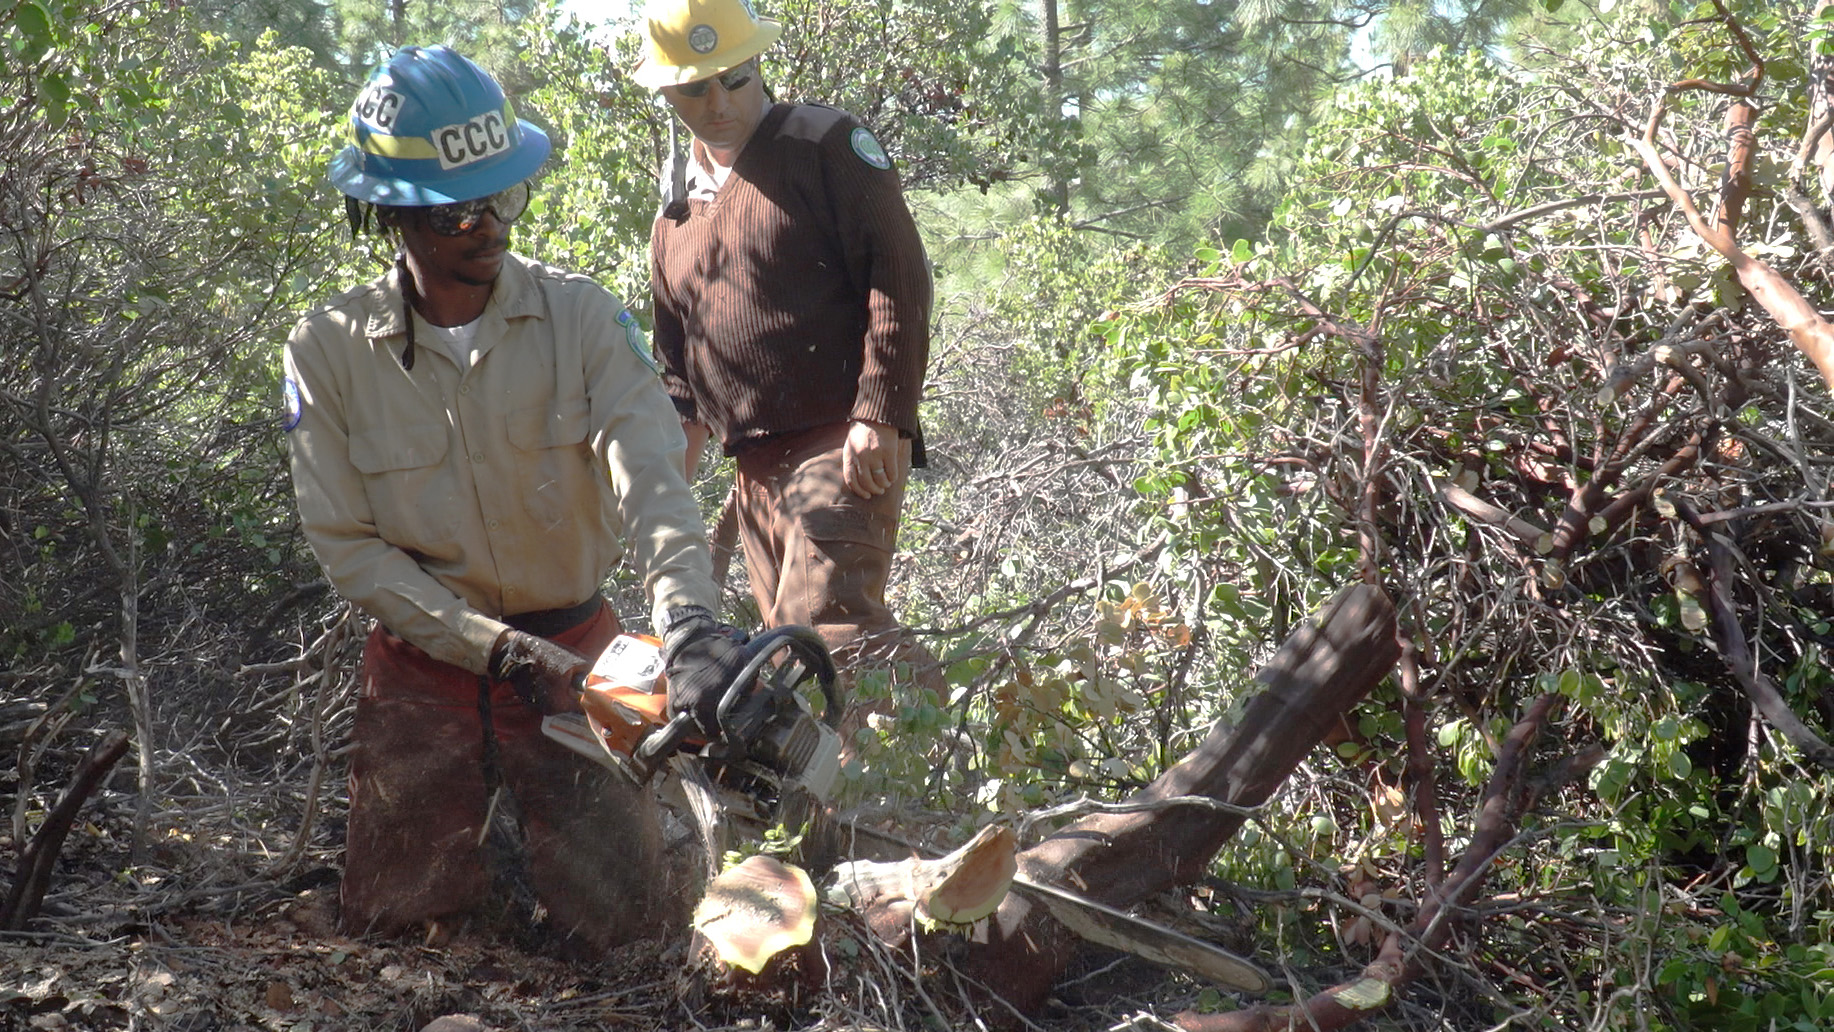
x: 879, y: 892
x: 958, y: 889
x: 755, y: 910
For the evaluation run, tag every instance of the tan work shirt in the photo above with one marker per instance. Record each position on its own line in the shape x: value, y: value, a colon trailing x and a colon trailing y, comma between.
x: 441, y: 501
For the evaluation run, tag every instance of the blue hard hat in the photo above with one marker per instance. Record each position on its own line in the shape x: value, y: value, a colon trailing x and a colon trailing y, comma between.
x: 431, y: 127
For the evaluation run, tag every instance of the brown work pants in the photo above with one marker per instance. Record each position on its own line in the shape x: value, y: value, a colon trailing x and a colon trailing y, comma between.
x: 573, y: 853
x: 817, y: 554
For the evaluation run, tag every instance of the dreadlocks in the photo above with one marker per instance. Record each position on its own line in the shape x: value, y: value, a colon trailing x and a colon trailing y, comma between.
x: 385, y: 217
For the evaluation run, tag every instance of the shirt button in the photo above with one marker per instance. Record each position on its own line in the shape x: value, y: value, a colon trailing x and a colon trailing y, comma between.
x: 464, y: 388
x: 492, y: 524
x: 477, y: 456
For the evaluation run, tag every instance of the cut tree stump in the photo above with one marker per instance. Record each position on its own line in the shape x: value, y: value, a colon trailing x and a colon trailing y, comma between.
x: 1119, y: 859
x: 958, y: 889
x: 756, y: 909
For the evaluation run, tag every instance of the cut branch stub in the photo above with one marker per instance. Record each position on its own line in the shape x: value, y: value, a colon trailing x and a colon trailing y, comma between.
x: 958, y: 889
x: 755, y: 910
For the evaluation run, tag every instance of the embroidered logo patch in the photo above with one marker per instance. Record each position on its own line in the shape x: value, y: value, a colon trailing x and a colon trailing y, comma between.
x: 869, y: 149
x: 289, y: 404
x: 702, y: 39
x: 633, y: 336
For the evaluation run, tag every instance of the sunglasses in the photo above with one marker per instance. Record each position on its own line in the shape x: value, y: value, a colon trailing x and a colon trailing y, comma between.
x: 731, y: 81
x: 463, y: 217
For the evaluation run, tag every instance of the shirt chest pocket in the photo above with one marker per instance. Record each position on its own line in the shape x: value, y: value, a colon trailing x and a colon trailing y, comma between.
x: 411, y: 492
x: 553, y: 463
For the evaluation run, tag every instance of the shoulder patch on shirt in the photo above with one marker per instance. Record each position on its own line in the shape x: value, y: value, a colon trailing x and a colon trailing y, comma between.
x: 633, y: 336
x: 289, y: 404
x: 867, y: 146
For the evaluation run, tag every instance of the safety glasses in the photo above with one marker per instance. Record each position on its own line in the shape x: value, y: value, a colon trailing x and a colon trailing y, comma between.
x: 732, y: 80
x: 463, y: 217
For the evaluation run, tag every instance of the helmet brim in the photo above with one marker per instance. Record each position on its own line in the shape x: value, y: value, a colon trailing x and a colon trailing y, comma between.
x: 655, y: 75
x: 346, y: 173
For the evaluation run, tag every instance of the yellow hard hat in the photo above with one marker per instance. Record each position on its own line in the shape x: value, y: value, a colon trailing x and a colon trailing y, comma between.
x: 698, y: 39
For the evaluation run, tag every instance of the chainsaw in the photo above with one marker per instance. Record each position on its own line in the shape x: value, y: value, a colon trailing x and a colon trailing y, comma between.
x: 769, y: 744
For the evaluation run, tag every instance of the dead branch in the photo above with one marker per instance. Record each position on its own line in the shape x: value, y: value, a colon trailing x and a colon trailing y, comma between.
x: 1424, y: 790
x: 1529, y: 214
x: 40, y: 855
x: 1735, y: 651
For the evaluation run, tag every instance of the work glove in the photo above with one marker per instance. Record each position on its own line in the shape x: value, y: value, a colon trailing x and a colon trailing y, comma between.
x: 701, y: 658
x: 547, y: 676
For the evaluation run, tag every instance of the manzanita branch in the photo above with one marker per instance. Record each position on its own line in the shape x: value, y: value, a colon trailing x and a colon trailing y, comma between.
x: 1811, y: 334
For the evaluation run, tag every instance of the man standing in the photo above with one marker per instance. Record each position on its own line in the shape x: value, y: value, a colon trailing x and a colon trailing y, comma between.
x: 471, y: 435
x: 792, y: 321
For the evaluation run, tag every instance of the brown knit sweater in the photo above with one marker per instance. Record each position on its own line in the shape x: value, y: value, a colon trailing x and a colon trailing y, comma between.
x: 798, y: 296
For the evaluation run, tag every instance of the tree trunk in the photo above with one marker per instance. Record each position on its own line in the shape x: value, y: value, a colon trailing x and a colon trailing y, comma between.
x: 1059, y: 189
x: 1319, y: 673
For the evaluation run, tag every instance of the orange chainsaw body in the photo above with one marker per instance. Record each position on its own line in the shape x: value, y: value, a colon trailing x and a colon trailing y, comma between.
x: 768, y: 734
x: 626, y: 695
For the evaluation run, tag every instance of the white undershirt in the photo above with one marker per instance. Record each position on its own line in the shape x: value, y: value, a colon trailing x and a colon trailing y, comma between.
x: 705, y: 175
x: 457, y: 341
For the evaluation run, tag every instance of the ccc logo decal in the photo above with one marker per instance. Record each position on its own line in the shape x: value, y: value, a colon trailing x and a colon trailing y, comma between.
x: 466, y: 142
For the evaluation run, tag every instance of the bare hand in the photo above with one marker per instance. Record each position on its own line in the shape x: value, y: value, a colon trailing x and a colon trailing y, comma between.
x: 874, y: 458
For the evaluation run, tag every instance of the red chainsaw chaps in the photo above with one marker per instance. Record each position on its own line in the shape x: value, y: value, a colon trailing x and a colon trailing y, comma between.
x: 583, y: 843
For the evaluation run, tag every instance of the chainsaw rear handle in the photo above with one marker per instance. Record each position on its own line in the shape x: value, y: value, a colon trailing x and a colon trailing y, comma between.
x: 804, y: 645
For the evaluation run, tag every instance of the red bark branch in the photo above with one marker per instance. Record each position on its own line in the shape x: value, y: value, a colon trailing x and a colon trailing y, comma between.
x: 1811, y: 334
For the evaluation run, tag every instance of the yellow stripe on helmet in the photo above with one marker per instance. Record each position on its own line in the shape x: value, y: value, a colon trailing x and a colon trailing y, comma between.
x: 386, y: 146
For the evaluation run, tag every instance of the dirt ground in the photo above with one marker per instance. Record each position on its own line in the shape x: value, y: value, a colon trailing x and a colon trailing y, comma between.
x: 198, y: 937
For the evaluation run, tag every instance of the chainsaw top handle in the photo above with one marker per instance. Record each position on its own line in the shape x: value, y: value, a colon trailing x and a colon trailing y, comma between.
x: 804, y: 648
x: 742, y: 710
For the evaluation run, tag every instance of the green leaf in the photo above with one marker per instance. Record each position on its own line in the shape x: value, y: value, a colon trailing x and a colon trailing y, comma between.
x: 54, y: 93
x: 1761, y: 859
x: 1243, y: 251
x: 35, y: 24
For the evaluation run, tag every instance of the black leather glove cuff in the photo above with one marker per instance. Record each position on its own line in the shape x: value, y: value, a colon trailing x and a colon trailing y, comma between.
x: 683, y: 624
x: 544, y: 675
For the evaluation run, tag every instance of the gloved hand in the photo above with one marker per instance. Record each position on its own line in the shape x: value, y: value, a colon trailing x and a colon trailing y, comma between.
x: 547, y: 676
x: 701, y: 657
